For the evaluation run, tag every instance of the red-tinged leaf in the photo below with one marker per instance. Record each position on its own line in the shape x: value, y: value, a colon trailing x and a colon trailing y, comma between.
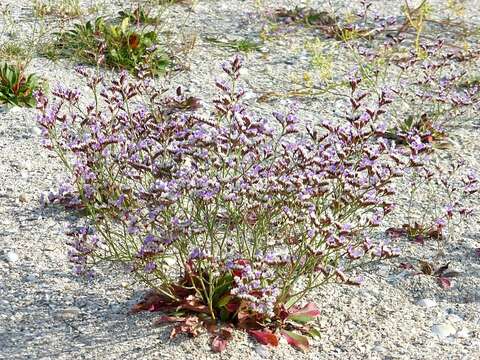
x: 441, y: 270
x: 162, y: 320
x: 194, y: 304
x: 219, y: 344
x: 152, y: 301
x: 395, y: 232
x: 407, y: 266
x: 232, y: 306
x: 246, y: 320
x: 296, y: 340
x: 226, y: 332
x: 133, y: 41
x: 444, y: 282
x: 419, y: 239
x: 304, y: 315
x: 264, y: 337
x: 191, y: 326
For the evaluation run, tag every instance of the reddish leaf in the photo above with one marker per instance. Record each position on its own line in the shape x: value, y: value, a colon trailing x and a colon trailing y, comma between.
x: 194, y: 304
x: 152, y: 301
x: 219, y: 344
x: 296, y: 340
x: 441, y: 270
x: 444, y: 282
x: 264, y: 337
x: 395, y: 232
x: 407, y: 266
x: 419, y: 239
x: 247, y: 320
x: 226, y: 332
x: 162, y: 320
x: 133, y: 41
x: 232, y: 306
x: 304, y: 315
x: 191, y: 326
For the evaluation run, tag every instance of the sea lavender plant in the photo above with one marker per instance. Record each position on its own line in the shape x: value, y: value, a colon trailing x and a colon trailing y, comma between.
x: 229, y: 216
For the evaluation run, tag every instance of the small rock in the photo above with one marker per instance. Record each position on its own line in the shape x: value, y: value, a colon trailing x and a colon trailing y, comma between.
x: 261, y: 350
x: 116, y: 309
x: 379, y: 348
x: 463, y: 333
x: 30, y: 278
x: 454, y: 318
x: 427, y: 303
x: 444, y: 330
x: 36, y: 131
x: 11, y: 257
x: 68, y: 313
x: 23, y: 197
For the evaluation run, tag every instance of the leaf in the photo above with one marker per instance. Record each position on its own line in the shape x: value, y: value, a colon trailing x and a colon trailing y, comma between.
x: 444, y: 282
x: 165, y: 319
x: 304, y: 315
x: 314, y: 333
x: 219, y: 344
x: 133, y: 41
x: 296, y: 340
x: 441, y: 270
x: 124, y: 25
x: 194, y: 304
x: 152, y: 301
x: 224, y: 300
x: 477, y: 252
x: 264, y: 337
x: 395, y: 232
x: 407, y: 266
x: 426, y: 268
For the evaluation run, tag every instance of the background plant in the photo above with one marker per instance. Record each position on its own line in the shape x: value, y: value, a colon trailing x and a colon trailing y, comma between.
x: 16, y: 87
x: 123, y: 45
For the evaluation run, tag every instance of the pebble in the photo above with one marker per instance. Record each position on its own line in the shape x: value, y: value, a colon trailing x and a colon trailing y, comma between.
x: 30, y: 278
x: 23, y: 198
x: 36, y: 131
x: 262, y: 351
x: 444, y: 330
x: 427, y: 303
x: 463, y: 333
x: 68, y: 313
x: 11, y: 257
x: 379, y: 348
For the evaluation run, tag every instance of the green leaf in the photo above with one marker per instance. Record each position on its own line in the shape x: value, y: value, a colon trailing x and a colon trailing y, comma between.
x: 314, y: 333
x: 224, y: 300
x: 296, y: 340
x: 304, y: 315
x: 125, y: 24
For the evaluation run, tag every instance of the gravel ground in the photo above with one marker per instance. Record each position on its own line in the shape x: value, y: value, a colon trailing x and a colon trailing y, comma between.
x: 48, y: 313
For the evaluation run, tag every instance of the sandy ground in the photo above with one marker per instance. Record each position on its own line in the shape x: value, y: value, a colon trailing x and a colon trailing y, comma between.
x: 48, y: 313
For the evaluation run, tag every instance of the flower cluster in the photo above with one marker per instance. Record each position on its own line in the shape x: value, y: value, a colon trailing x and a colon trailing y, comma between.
x: 172, y: 191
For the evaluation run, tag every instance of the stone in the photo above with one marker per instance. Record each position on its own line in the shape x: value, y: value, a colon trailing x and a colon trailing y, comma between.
x: 262, y: 351
x: 11, y: 257
x: 36, y: 131
x: 68, y: 313
x: 427, y: 303
x: 444, y: 330
x: 463, y: 333
x: 23, y: 198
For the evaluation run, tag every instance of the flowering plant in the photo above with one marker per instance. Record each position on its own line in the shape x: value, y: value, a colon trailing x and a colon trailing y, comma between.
x: 228, y: 217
